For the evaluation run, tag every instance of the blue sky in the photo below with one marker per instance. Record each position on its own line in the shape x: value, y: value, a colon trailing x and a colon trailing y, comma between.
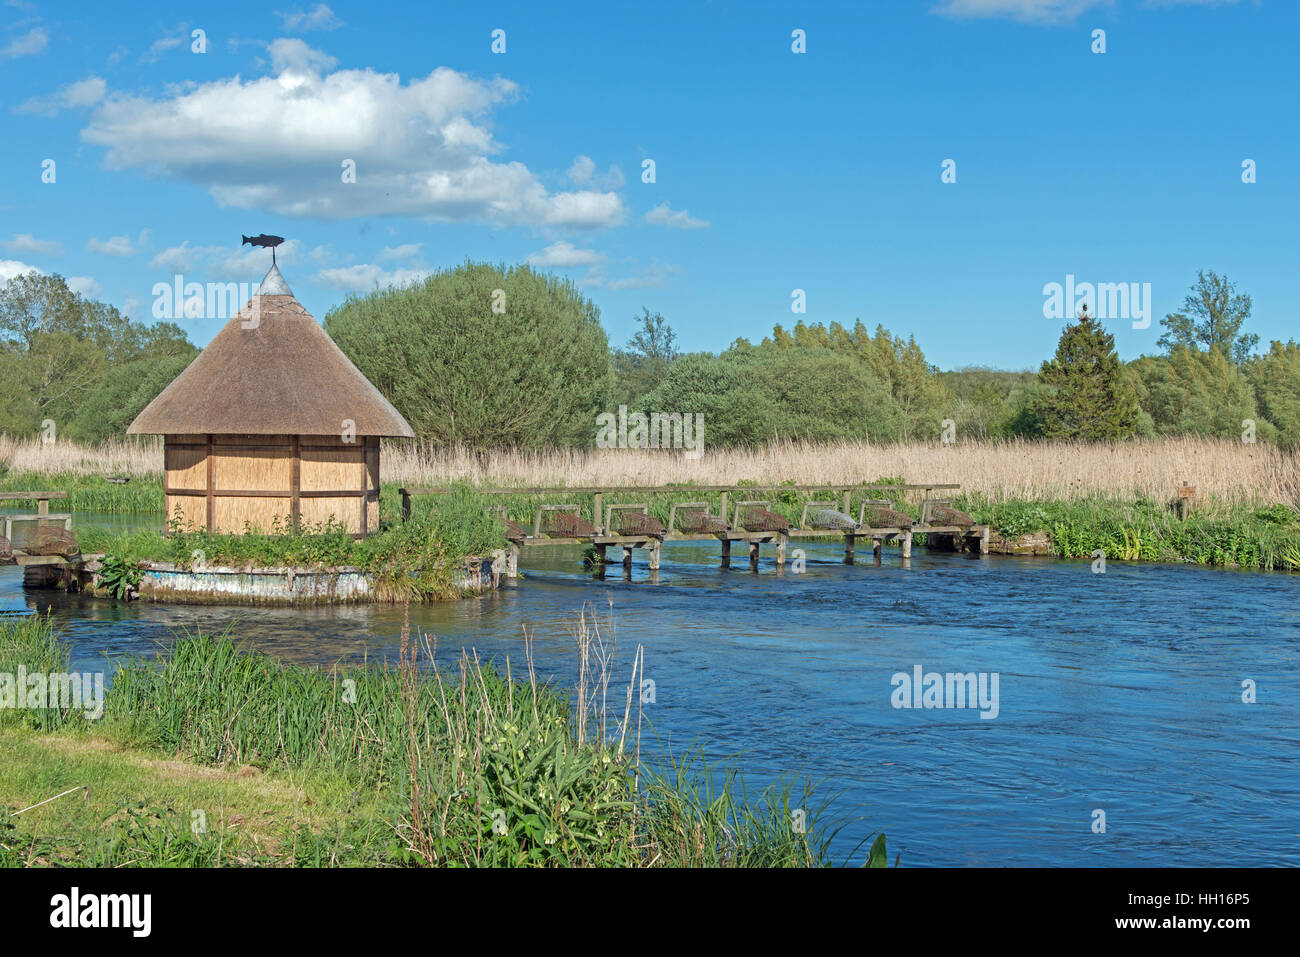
x: 774, y: 170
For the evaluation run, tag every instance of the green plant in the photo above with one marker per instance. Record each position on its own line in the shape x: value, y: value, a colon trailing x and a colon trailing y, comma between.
x: 119, y: 576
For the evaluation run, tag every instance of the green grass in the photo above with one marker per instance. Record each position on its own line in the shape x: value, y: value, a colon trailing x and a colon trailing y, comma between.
x: 89, y: 493
x: 391, y: 765
x: 1146, y: 531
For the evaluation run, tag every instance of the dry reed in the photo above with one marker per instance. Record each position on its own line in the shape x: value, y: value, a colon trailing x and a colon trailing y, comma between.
x: 1223, y: 470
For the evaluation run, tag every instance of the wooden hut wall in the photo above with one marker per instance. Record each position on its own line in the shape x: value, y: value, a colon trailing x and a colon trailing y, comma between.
x: 225, y: 482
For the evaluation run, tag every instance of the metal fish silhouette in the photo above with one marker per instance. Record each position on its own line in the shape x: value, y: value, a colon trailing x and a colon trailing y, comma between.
x: 263, y: 240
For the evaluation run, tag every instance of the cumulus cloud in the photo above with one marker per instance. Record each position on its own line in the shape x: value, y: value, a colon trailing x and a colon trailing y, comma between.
x: 83, y: 93
x: 404, y: 251
x: 117, y: 245
x: 231, y: 265
x: 284, y: 143
x: 82, y: 285
x: 27, y: 243
x: 562, y: 255
x: 366, y: 276
x: 665, y: 215
x: 30, y: 43
x: 319, y: 17
x: 583, y: 173
x: 1026, y: 11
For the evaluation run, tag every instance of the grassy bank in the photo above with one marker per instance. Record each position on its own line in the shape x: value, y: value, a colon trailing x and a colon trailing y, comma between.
x: 216, y: 755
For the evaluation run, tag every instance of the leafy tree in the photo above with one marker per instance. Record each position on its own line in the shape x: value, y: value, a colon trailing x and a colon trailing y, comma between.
x: 122, y: 394
x: 643, y: 362
x: 531, y: 373
x: 1088, y: 395
x: 1276, y: 378
x: 1197, y: 393
x: 57, y: 348
x: 1212, y: 317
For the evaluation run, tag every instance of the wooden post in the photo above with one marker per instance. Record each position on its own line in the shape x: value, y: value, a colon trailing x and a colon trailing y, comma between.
x: 42, y: 509
x: 846, y: 501
x: 848, y: 548
x: 1185, y: 495
x: 753, y: 556
x: 627, y: 558
x: 406, y: 504
x: 781, y: 541
x: 654, y: 555
x: 726, y: 550
x: 212, y: 488
x: 295, y: 486
x: 876, y: 548
x: 598, y: 518
x: 512, y: 561
x: 907, y: 544
x: 722, y: 510
x: 984, y: 541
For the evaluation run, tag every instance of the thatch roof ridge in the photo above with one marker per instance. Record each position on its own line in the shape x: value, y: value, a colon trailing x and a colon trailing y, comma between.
x: 271, y: 370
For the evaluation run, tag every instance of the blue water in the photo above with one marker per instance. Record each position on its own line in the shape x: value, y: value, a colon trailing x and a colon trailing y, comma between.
x: 1119, y: 692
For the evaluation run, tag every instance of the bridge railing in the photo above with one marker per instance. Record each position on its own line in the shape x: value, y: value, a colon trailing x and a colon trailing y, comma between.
x: 42, y: 515
x: 600, y: 491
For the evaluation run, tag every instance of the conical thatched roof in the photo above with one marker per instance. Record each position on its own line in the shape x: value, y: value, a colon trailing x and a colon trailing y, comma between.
x: 271, y: 370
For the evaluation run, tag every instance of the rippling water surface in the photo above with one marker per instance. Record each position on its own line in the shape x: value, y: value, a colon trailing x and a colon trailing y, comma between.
x: 1120, y: 691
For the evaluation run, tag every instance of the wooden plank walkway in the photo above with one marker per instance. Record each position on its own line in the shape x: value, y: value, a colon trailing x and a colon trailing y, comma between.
x: 602, y: 538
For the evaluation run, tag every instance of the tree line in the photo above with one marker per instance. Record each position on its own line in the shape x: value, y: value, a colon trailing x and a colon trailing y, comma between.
x: 490, y: 356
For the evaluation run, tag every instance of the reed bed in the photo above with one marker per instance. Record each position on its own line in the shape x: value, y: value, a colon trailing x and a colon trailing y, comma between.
x: 1223, y: 470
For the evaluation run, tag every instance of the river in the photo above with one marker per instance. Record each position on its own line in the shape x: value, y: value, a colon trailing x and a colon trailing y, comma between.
x: 1118, y: 692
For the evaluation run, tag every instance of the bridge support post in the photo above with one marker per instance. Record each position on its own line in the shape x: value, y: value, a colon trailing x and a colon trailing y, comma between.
x: 984, y: 541
x: 627, y: 557
x: 877, y: 545
x: 726, y: 553
x: 781, y: 541
x: 512, y: 561
x: 907, y: 544
x: 654, y: 555
x: 848, y: 549
x: 753, y: 556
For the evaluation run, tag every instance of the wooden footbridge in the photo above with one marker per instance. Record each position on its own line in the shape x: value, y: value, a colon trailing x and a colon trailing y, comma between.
x: 750, y: 522
x: 41, y: 542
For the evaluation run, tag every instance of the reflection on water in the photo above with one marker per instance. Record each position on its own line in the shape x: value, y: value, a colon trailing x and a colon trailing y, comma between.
x: 1119, y: 692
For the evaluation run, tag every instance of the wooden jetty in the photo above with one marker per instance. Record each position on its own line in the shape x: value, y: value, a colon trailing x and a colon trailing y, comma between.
x: 39, y: 570
x: 748, y: 522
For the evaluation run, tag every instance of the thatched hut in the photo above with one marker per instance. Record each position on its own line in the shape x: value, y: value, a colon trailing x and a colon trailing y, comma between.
x: 272, y: 422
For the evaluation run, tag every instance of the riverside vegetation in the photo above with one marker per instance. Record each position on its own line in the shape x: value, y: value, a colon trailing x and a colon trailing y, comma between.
x: 1115, y: 497
x: 213, y: 755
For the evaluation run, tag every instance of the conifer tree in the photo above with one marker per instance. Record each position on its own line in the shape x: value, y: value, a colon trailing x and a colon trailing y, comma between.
x: 1088, y: 395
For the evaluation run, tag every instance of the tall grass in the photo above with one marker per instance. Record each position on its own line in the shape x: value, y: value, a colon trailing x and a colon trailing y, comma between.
x: 477, y: 766
x: 1222, y: 469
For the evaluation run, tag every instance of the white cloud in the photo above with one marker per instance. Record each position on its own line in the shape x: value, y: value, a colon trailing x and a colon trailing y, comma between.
x: 30, y: 43
x: 1026, y: 11
x: 237, y: 265
x: 82, y: 285
x: 278, y: 143
x: 320, y: 17
x: 27, y: 243
x: 161, y: 46
x: 117, y: 245
x: 83, y: 93
x: 652, y: 276
x: 562, y: 255
x: 12, y: 267
x: 367, y: 276
x: 404, y: 251
x: 583, y: 173
x: 665, y: 215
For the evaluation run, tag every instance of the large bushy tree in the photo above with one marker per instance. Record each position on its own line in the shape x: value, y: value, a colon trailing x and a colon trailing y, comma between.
x: 1212, y: 316
x: 1190, y: 392
x: 1087, y: 395
x: 532, y: 372
x: 1276, y: 378
x: 59, y: 350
